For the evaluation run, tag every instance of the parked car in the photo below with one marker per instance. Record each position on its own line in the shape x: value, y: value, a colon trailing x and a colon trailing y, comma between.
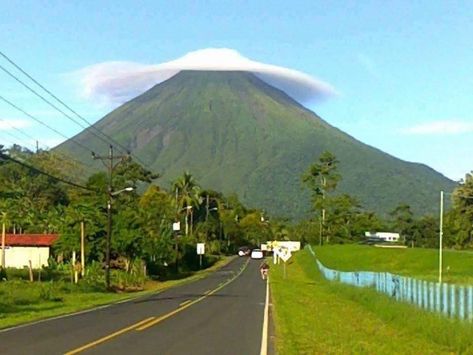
x: 257, y: 254
x: 244, y: 251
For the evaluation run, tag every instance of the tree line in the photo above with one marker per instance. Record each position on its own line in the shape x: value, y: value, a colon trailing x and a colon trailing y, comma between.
x: 143, y: 219
x: 340, y: 218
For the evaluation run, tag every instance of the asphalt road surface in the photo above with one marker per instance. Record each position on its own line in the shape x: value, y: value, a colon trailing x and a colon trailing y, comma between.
x: 220, y: 314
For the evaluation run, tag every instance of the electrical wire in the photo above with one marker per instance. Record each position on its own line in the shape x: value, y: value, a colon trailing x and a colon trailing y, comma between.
x: 50, y: 103
x: 39, y: 171
x: 44, y: 124
x: 88, y: 167
x: 69, y: 108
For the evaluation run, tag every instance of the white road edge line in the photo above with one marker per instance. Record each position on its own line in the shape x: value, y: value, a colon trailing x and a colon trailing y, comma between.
x: 264, y: 337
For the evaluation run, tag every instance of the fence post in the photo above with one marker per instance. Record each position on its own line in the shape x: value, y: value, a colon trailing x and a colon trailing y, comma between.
x: 406, y: 289
x: 439, y: 297
x: 453, y: 302
x: 470, y: 303
x: 420, y: 294
x: 386, y: 283
x: 415, y: 286
x: 432, y: 296
x: 446, y: 299
x: 426, y: 294
x: 461, y: 302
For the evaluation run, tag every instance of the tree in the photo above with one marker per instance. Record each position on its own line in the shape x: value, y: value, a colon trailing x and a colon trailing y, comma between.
x: 463, y: 197
x: 255, y: 228
x: 322, y: 179
x: 156, y: 217
x: 403, y: 222
x: 343, y: 210
x: 187, y: 196
x: 459, y: 221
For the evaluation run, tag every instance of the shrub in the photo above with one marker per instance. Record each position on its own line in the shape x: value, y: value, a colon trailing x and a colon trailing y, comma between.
x: 49, y: 292
x: 3, y: 274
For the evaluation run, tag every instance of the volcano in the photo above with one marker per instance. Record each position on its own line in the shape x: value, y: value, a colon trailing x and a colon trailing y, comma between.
x: 237, y: 134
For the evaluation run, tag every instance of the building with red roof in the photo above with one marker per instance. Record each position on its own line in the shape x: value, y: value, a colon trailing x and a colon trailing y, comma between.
x: 21, y: 249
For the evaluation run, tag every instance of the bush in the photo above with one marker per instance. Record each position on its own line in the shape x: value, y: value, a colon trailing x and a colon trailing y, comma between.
x: 94, y: 276
x: 49, y: 292
x: 3, y: 274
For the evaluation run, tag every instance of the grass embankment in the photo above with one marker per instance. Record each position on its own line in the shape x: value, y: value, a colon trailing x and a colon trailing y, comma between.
x: 23, y: 302
x: 419, y: 263
x: 315, y: 316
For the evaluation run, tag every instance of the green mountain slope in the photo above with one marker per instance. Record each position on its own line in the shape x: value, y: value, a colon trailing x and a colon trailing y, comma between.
x: 236, y: 133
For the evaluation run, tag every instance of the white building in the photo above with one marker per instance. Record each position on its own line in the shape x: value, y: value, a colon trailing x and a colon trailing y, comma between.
x: 384, y: 236
x: 20, y: 249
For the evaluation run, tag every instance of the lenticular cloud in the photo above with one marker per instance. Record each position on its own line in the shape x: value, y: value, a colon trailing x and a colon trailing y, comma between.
x: 118, y: 82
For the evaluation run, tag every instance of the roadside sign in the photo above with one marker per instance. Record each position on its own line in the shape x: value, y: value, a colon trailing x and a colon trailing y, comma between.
x: 200, y: 248
x: 285, y: 254
x: 176, y: 226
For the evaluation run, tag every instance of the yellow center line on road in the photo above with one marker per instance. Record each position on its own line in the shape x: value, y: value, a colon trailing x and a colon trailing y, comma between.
x: 185, y: 302
x: 149, y: 322
x: 108, y: 337
x: 207, y: 294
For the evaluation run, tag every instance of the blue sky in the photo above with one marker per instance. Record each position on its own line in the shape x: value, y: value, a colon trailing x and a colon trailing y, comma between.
x: 402, y: 69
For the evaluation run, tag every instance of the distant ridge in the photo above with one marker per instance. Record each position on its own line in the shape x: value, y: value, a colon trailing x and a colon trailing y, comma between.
x: 236, y: 133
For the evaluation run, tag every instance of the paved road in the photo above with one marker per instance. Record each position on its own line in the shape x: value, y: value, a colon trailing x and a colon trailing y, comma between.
x: 221, y: 314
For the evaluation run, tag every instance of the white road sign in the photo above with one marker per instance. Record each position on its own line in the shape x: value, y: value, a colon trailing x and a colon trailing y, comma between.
x: 200, y: 248
x: 284, y: 253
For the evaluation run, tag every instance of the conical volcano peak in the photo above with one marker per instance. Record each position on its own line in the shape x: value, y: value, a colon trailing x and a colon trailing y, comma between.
x: 237, y: 134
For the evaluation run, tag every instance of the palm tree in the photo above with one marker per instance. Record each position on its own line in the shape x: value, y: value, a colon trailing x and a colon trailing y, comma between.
x: 187, y: 196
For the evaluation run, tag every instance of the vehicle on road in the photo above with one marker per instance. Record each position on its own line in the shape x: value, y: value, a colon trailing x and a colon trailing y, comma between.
x: 257, y: 254
x: 244, y: 251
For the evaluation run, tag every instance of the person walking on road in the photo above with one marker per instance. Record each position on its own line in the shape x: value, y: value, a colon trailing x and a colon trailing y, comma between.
x: 264, y: 268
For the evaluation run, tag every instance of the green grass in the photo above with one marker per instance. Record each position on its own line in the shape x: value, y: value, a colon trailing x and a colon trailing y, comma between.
x: 419, y: 263
x: 23, y: 302
x: 315, y: 316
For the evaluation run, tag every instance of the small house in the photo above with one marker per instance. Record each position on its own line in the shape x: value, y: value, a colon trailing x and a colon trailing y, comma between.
x: 383, y: 236
x: 20, y: 249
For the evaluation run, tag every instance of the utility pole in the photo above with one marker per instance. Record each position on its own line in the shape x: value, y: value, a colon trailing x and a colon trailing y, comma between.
x: 3, y: 245
x: 441, y: 237
x: 324, y: 184
x: 110, y: 164
x: 82, y: 249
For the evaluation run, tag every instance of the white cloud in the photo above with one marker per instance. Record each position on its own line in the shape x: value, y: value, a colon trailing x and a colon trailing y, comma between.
x: 117, y: 82
x: 441, y: 127
x: 10, y: 124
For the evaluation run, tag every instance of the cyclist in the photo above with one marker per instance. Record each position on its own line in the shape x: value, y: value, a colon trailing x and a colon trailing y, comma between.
x: 264, y: 268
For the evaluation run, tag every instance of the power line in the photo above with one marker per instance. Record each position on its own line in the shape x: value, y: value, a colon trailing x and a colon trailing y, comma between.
x: 51, y: 104
x: 18, y: 130
x: 69, y: 108
x: 90, y: 167
x: 14, y: 136
x: 9, y: 140
x: 39, y: 171
x: 44, y: 124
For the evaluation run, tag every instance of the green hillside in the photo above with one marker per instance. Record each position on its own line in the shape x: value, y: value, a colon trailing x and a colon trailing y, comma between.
x: 236, y: 133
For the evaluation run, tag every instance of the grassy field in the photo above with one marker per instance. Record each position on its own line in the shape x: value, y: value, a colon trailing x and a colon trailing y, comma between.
x: 315, y: 316
x: 420, y: 263
x: 22, y: 301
